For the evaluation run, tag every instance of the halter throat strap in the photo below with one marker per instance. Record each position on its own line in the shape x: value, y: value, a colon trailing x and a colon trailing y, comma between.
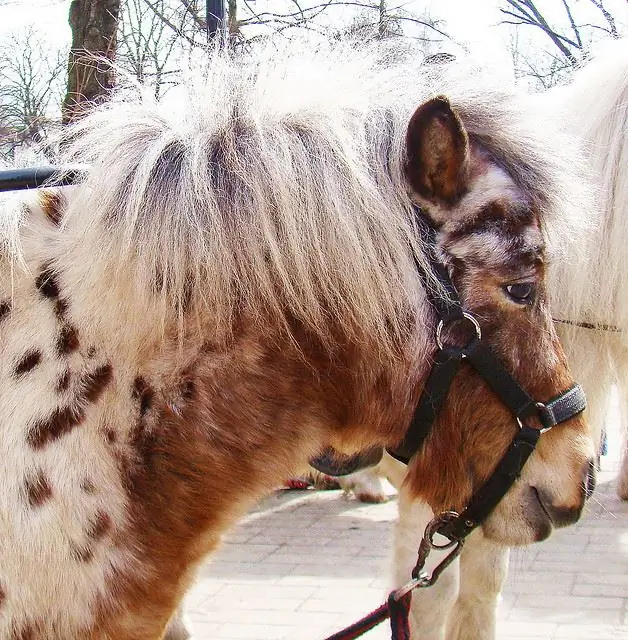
x: 478, y: 354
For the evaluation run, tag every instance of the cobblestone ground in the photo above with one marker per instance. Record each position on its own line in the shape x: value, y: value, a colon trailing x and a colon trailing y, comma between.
x: 305, y: 564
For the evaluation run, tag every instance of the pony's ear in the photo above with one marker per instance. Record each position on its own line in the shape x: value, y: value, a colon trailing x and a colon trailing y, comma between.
x: 437, y: 152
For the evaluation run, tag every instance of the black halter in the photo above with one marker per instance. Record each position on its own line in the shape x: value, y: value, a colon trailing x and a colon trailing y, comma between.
x: 447, y: 361
x: 478, y: 354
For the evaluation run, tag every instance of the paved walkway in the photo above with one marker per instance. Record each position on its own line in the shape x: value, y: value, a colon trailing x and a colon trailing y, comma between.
x: 305, y: 564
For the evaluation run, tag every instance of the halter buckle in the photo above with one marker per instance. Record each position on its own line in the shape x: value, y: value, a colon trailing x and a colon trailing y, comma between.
x: 465, y: 316
x: 543, y: 411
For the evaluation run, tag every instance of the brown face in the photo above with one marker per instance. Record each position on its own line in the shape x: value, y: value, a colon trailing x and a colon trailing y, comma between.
x: 489, y: 237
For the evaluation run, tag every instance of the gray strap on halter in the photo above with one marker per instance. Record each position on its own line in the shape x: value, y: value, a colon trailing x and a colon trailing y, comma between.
x: 563, y: 407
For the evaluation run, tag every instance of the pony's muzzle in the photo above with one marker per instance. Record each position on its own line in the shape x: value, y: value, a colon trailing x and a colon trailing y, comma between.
x: 563, y: 515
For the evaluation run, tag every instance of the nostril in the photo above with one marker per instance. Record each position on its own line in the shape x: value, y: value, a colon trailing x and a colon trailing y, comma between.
x: 590, y: 481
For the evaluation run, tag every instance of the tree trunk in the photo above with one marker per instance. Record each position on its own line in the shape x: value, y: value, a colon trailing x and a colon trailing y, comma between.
x: 94, y: 25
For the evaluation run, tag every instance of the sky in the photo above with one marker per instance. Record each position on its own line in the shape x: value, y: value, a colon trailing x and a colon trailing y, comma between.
x: 466, y: 19
x: 473, y: 22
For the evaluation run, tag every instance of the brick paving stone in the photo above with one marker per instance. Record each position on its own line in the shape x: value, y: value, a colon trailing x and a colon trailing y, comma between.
x: 591, y: 632
x: 304, y: 564
x: 528, y: 630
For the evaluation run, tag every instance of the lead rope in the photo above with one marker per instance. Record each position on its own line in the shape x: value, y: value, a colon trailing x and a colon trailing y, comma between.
x: 397, y: 606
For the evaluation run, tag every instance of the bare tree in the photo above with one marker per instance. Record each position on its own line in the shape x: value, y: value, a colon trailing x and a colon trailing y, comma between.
x: 247, y: 19
x: 94, y: 25
x: 32, y: 75
x: 569, y: 33
x: 146, y: 43
x: 378, y: 19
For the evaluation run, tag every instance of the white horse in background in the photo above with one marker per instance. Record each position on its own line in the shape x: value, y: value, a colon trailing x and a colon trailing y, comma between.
x: 589, y: 301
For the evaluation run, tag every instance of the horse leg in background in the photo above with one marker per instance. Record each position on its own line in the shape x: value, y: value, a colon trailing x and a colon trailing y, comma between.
x: 366, y: 485
x: 483, y: 571
x: 430, y: 608
x: 393, y: 470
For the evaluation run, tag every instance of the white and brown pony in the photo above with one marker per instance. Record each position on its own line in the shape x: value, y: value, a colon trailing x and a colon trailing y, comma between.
x: 589, y: 301
x: 232, y: 288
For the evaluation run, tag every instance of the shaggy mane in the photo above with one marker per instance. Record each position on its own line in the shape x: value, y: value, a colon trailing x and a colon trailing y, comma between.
x: 275, y: 184
x: 594, y: 106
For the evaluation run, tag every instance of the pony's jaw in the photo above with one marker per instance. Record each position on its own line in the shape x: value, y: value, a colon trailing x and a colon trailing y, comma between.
x: 545, y: 497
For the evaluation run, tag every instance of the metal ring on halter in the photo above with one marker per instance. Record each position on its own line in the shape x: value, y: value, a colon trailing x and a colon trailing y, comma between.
x: 466, y: 316
x: 433, y: 528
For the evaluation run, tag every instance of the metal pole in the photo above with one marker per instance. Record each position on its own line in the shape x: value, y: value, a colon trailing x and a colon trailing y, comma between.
x: 35, y: 177
x: 215, y: 17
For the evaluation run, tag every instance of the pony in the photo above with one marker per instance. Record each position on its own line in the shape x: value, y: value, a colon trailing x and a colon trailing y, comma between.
x: 591, y: 313
x: 233, y: 287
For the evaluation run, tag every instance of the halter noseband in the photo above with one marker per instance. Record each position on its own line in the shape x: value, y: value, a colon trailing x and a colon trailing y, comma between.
x: 478, y: 354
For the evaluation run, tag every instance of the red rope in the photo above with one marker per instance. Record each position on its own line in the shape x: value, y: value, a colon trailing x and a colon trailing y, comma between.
x: 396, y: 610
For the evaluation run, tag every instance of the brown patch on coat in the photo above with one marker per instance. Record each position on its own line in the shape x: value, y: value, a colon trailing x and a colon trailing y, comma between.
x: 37, y: 489
x: 47, y: 282
x: 3, y: 596
x: 61, y: 308
x: 27, y: 362
x: 64, y: 419
x: 143, y: 392
x: 87, y: 486
x: 59, y: 423
x: 63, y: 383
x: 508, y: 219
x: 96, y: 382
x: 5, y: 309
x: 82, y: 553
x: 110, y: 436
x: 52, y: 203
x: 68, y: 341
x: 99, y: 526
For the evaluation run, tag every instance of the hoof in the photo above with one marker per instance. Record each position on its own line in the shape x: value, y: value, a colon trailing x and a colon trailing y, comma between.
x: 372, y: 498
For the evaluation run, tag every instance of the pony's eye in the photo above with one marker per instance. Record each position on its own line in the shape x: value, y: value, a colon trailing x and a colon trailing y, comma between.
x: 521, y: 292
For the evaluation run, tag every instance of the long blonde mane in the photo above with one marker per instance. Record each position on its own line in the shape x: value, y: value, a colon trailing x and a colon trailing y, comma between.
x: 275, y: 184
x: 589, y: 286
